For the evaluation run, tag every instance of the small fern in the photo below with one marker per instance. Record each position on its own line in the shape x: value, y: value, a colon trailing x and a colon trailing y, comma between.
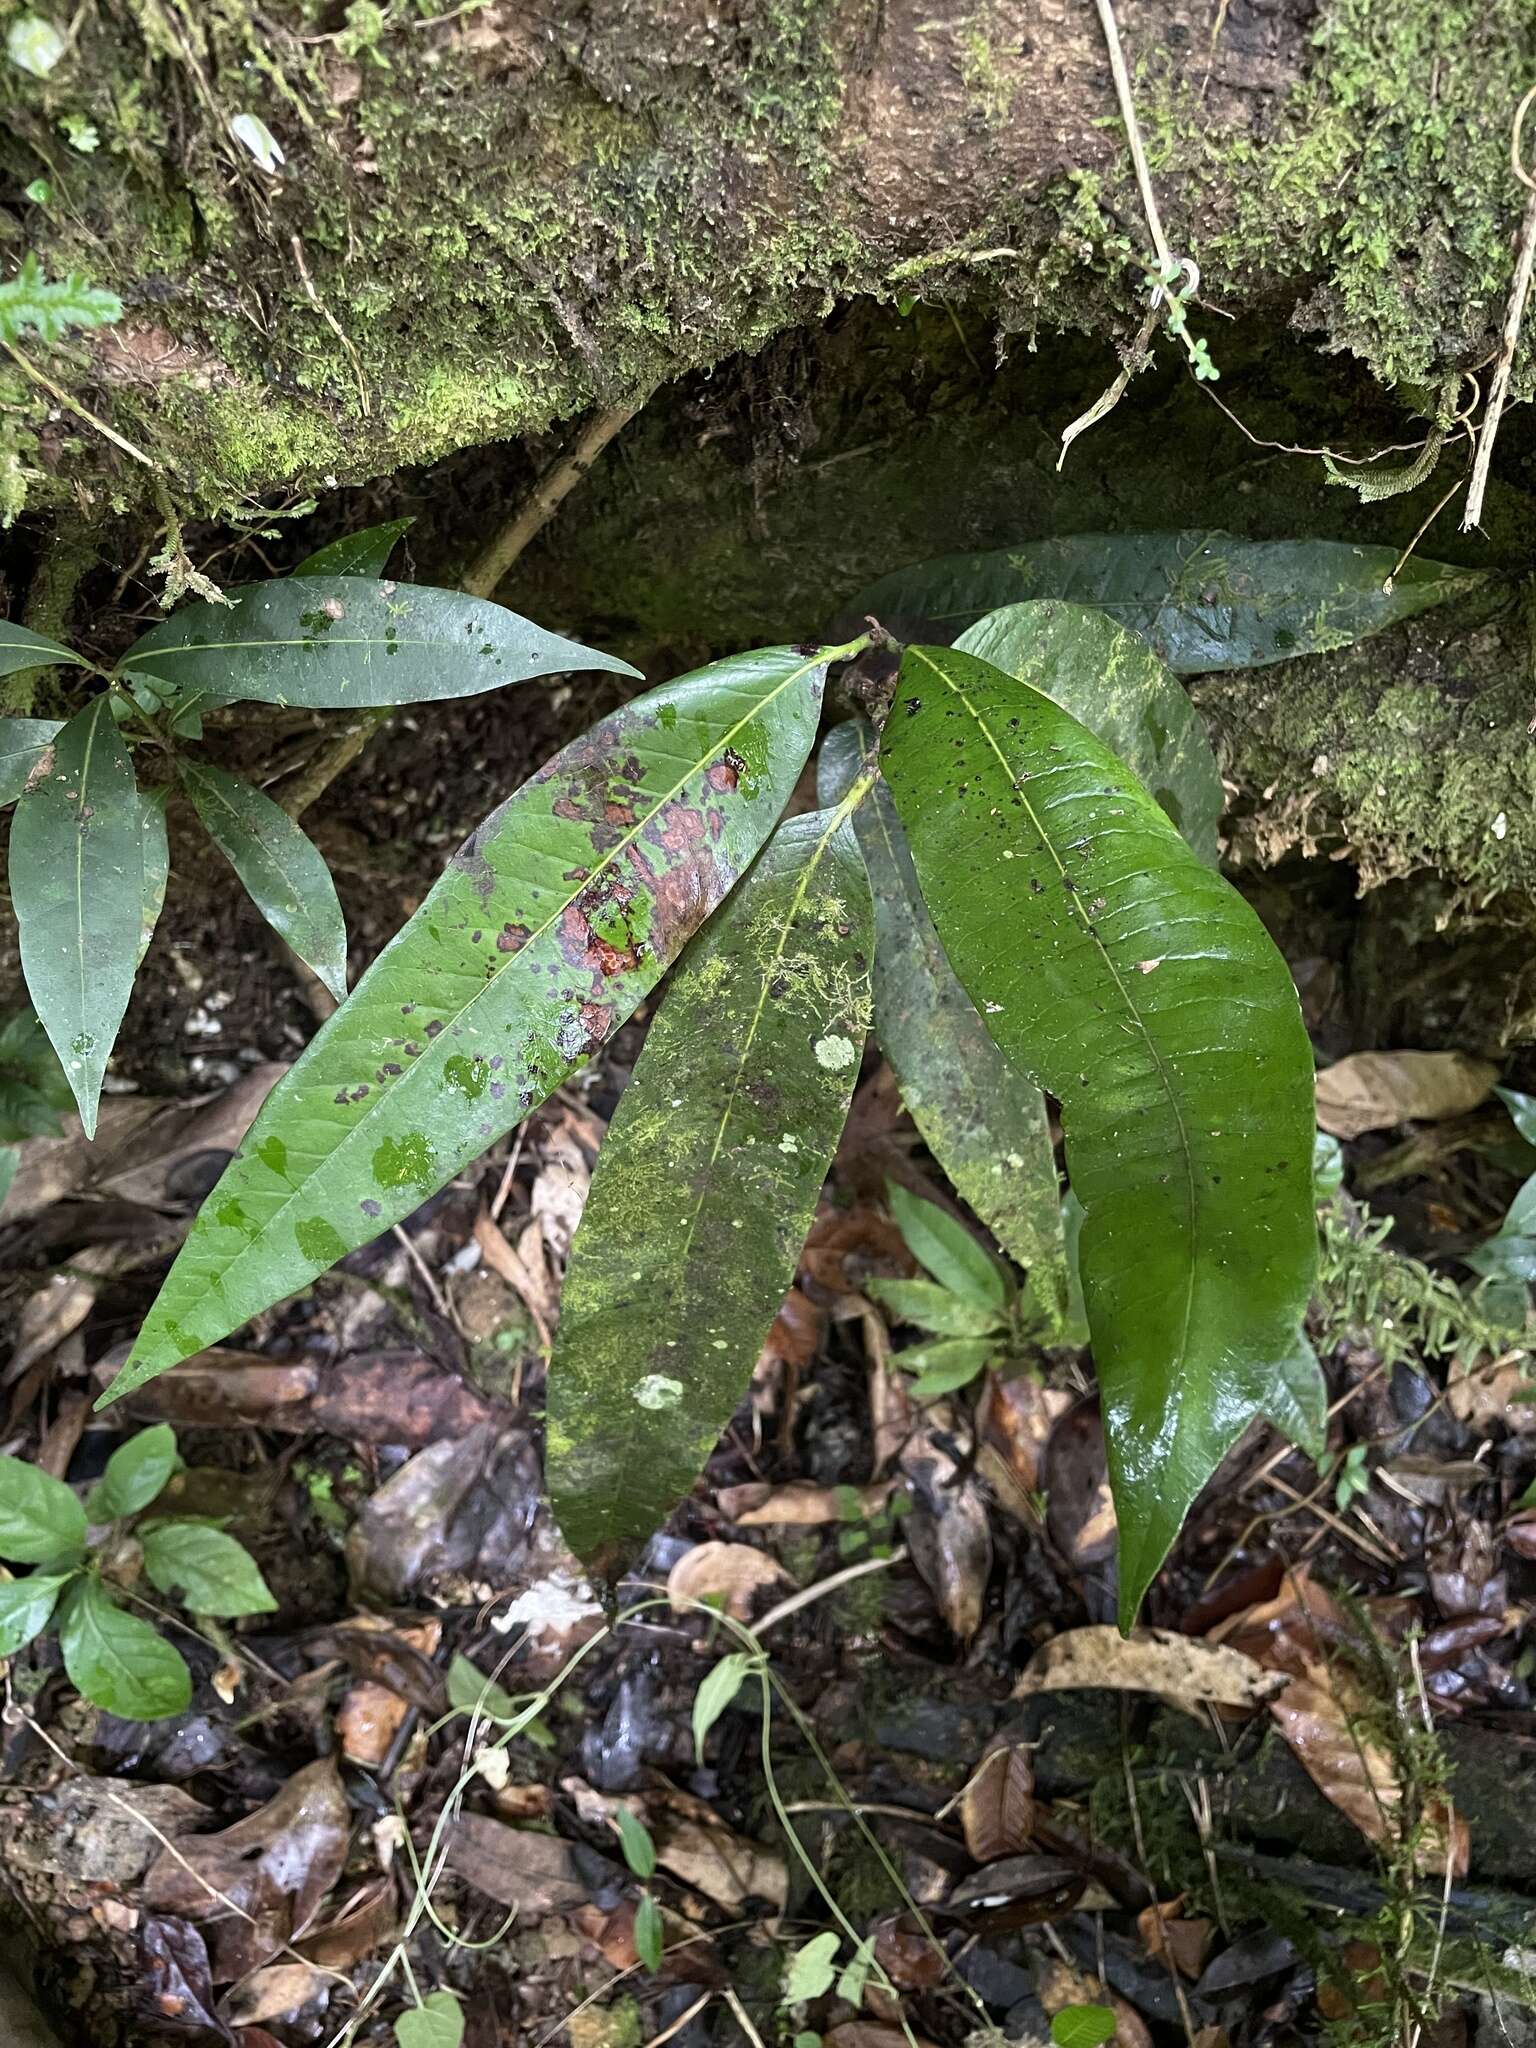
x: 49, y: 309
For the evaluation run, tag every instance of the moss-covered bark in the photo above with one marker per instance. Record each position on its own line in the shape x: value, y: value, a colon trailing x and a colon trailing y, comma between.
x: 490, y: 215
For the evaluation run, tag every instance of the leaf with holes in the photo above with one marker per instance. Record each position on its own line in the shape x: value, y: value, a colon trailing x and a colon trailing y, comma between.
x: 77, y: 886
x: 343, y: 642
x: 1204, y: 599
x: 283, y: 870
x: 705, y: 1187
x: 1114, y: 684
x: 987, y: 1129
x: 547, y: 928
x: 117, y: 1661
x: 24, y: 744
x: 365, y: 553
x: 1133, y: 984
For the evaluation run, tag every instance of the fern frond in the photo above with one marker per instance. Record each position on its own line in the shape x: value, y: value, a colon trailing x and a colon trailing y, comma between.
x: 49, y: 308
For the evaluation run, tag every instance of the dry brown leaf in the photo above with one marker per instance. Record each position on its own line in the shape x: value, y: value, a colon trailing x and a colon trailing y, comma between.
x: 724, y: 1574
x: 1371, y: 1091
x: 1165, y: 1932
x: 908, y: 1954
x: 273, y: 1993
x: 997, y: 1807
x: 1184, y: 1670
x: 534, y: 1873
x: 846, y: 1246
x: 524, y: 1269
x: 948, y: 1531
x: 800, y: 1504
x: 1015, y: 1421
x: 1080, y: 1508
x: 725, y: 1867
x: 560, y: 1188
x: 371, y: 1713
x: 1320, y: 1712
x: 1491, y: 1392
x: 366, y: 1923
x: 276, y: 1865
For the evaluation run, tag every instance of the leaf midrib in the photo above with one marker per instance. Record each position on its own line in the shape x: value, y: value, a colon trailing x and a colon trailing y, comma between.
x: 608, y: 861
x: 1076, y: 910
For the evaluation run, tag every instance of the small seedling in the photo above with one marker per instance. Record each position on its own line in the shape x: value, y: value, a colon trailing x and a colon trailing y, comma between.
x: 971, y: 1304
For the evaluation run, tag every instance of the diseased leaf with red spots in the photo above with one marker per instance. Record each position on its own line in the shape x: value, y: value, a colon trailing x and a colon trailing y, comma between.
x: 550, y: 924
x: 705, y: 1187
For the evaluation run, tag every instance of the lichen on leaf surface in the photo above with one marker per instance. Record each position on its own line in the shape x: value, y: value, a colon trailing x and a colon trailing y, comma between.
x: 549, y: 925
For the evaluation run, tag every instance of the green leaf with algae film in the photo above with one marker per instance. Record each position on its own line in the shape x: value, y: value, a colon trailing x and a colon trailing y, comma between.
x: 283, y: 870
x: 24, y: 742
x: 343, y: 642
x: 77, y: 886
x: 365, y: 553
x: 705, y: 1187
x: 1114, y: 684
x: 1204, y: 599
x: 549, y: 925
x: 1137, y: 987
x: 984, y: 1122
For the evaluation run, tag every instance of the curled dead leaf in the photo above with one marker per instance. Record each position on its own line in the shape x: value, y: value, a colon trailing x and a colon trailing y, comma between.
x: 1184, y: 1670
x: 726, y: 1575
x: 997, y: 1807
x: 800, y: 1504
x: 1371, y: 1091
x: 1165, y: 1932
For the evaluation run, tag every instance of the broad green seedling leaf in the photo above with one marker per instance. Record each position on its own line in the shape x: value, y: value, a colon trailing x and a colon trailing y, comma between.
x: 342, y: 642
x: 705, y: 1187
x: 471, y: 1692
x: 811, y: 1969
x: 941, y: 1367
x: 717, y: 1689
x: 1114, y: 684
x: 650, y: 1939
x: 118, y: 1662
x: 136, y: 1474
x: 24, y: 744
x: 40, y: 1519
x: 547, y: 928
x: 26, y: 1608
x: 21, y: 648
x: 282, y: 869
x: 942, y: 1244
x: 205, y: 1569
x: 365, y: 553
x: 982, y: 1122
x: 635, y: 1841
x: 438, y: 2022
x: 77, y: 884
x: 1139, y: 989
x: 1083, y: 2026
x: 934, y: 1308
x: 157, y: 863
x: 1204, y: 599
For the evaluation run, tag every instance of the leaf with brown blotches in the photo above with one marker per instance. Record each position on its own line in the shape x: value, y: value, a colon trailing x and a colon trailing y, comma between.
x: 1190, y: 1673
x: 997, y: 1807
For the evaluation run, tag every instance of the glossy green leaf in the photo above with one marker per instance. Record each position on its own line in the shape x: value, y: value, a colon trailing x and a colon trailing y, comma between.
x: 205, y: 1569
x: 945, y: 1248
x: 635, y: 1841
x: 26, y: 1608
x: 341, y: 642
x: 717, y: 1689
x: 33, y: 1090
x: 24, y: 744
x: 137, y: 1473
x: 1204, y: 599
x: 364, y: 553
x: 157, y: 863
x: 546, y: 929
x: 650, y: 1937
x: 1114, y: 684
x: 1132, y: 983
x: 40, y: 1519
x: 438, y: 2022
x: 77, y: 886
x: 983, y: 1123
x: 1522, y: 1110
x: 118, y: 1662
x: 21, y: 648
x: 705, y: 1187
x: 1510, y: 1254
x: 283, y: 870
x: 933, y: 1308
x: 940, y: 1368
x: 1083, y: 2026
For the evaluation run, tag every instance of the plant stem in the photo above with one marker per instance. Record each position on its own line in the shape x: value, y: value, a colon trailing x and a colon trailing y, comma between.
x: 490, y: 566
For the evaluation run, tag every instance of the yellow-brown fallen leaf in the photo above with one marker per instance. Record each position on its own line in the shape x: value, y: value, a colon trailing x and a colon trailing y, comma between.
x: 694, y: 1844
x: 1322, y: 1713
x: 997, y: 1807
x: 726, y: 1574
x: 1186, y: 1671
x: 1165, y: 1932
x: 1371, y: 1091
x: 1492, y: 1391
x: 800, y: 1504
x: 371, y: 1715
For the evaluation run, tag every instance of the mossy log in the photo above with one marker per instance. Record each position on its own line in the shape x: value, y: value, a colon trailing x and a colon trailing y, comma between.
x: 489, y: 216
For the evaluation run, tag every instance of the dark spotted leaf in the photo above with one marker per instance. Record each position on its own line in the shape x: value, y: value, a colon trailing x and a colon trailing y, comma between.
x: 77, y: 885
x: 705, y: 1187
x: 1133, y: 984
x: 983, y: 1123
x: 365, y: 553
x: 1114, y: 684
x: 549, y: 925
x: 21, y: 648
x: 24, y: 743
x: 283, y: 870
x: 118, y: 1662
x: 347, y: 641
x: 1205, y: 600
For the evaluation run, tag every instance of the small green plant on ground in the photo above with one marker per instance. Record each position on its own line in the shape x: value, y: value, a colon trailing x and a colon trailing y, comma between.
x: 1013, y: 874
x: 33, y: 1090
x: 87, y: 1558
